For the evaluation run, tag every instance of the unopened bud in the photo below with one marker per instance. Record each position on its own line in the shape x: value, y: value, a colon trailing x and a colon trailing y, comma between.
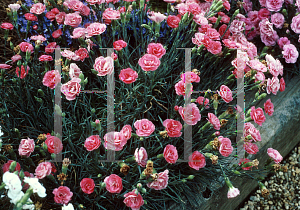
x: 12, y: 166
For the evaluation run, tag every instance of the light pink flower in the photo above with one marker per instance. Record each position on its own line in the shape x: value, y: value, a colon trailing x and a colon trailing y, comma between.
x: 62, y: 195
x: 16, y: 58
x: 82, y: 53
x: 51, y: 78
x: 38, y: 8
x: 239, y: 64
x: 197, y: 160
x: 126, y: 131
x: 273, y: 85
x: 296, y: 24
x: 274, y: 66
x: 257, y: 65
x: 156, y: 49
x: 161, y: 182
x: 74, y: 71
x: 73, y: 19
x: 225, y: 148
x: 283, y: 41
x: 26, y: 147
x: 92, y: 142
x: 75, y: 5
x: 113, y: 183
x: 39, y: 37
x: 144, y: 127
x: 233, y: 192
x: 133, y: 200
x: 214, y: 47
x: 173, y: 127
x: 214, y: 121
x: 25, y: 46
x: 104, y: 66
x: 111, y: 14
x: 43, y: 170
x: 236, y: 27
x: 269, y: 40
x: 274, y: 5
x: 5, y: 66
x: 278, y: 20
x: 275, y: 155
x: 149, y: 62
x: 189, y: 77
x: 200, y: 100
x: 71, y: 88
x: 7, y: 26
x: 78, y: 33
x: 249, y: 129
x: 95, y: 29
x: 257, y: 115
x: 290, y: 53
x: 269, y: 107
x: 200, y: 19
x: 180, y: 88
x: 182, y: 8
x: 259, y: 76
x: 114, y: 141
x: 60, y: 17
x: 190, y: 114
x: 225, y: 93
x: 250, y: 148
x: 157, y: 17
x: 14, y: 7
x: 141, y: 156
x: 170, y: 154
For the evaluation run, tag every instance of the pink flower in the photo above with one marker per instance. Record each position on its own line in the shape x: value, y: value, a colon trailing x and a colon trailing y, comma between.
x: 144, y: 127
x: 157, y: 17
x: 87, y: 185
x: 141, y: 156
x: 71, y: 88
x: 73, y: 19
x: 126, y: 131
x: 50, y: 15
x: 200, y: 19
x: 259, y: 76
x: 128, y: 75
x: 75, y: 5
x: 161, y: 182
x: 215, y: 47
x: 14, y: 7
x: 274, y: 66
x: 104, y: 66
x: 60, y: 17
x: 269, y: 40
x: 250, y: 148
x: 42, y: 170
x: 70, y: 55
x: 214, y: 121
x: 25, y: 46
x: 26, y: 147
x: 57, y: 33
x: 197, y: 160
x: 30, y: 17
x: 257, y: 115
x: 233, y: 192
x: 173, y: 127
x: 5, y: 66
x: 133, y: 200
x: 92, y: 142
x: 23, y: 73
x: 170, y: 154
x: 38, y: 8
x: 119, y: 45
x: 274, y: 5
x: 85, y: 11
x: 194, y: 8
x: 16, y: 58
x: 180, y: 88
x: 212, y: 34
x: 200, y: 100
x: 62, y: 195
x: 95, y: 29
x: 282, y: 85
x: 54, y: 144
x: 111, y: 14
x: 239, y: 64
x: 50, y: 47
x: 225, y: 93
x: 173, y: 21
x: 296, y: 24
x: 244, y: 161
x: 278, y: 20
x: 6, y: 166
x: 269, y: 107
x: 257, y: 65
x: 290, y: 53
x: 7, y: 26
x: 283, y: 41
x: 225, y: 148
x: 200, y: 39
x: 149, y: 62
x: 82, y: 53
x: 45, y: 58
x: 275, y: 155
x: 249, y: 129
x: 114, y: 141
x: 170, y: 1
x: 51, y: 78
x: 273, y: 85
x: 236, y: 27
x: 182, y: 8
x: 156, y: 49
x: 190, y: 114
x: 263, y: 14
x: 113, y: 183
x: 189, y: 77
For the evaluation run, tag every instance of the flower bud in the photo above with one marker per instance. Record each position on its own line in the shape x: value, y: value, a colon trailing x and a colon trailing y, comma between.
x: 93, y: 111
x: 143, y: 190
x: 190, y: 177
x: 41, y: 92
x: 136, y: 192
x: 284, y: 12
x: 53, y: 156
x: 262, y: 96
x: 21, y: 174
x: 184, y: 180
x: 160, y: 156
x: 12, y: 166
x: 139, y: 185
